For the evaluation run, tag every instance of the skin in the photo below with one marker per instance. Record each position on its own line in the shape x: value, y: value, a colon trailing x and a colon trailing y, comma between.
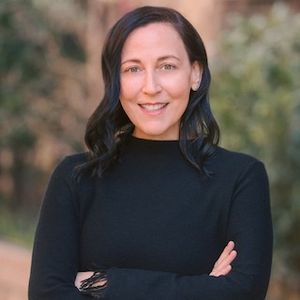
x: 223, y: 265
x: 155, y: 68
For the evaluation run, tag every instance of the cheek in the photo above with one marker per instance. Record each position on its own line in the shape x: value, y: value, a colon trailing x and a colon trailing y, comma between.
x: 128, y: 99
x: 178, y: 89
x: 128, y: 106
x: 129, y: 89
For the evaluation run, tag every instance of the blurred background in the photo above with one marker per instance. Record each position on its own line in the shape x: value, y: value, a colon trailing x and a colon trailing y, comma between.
x: 50, y: 83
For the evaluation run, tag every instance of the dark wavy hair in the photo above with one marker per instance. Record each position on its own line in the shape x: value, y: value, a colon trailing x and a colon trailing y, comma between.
x: 109, y: 126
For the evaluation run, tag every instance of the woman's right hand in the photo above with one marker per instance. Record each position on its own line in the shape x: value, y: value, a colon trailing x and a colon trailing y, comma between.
x: 223, y: 264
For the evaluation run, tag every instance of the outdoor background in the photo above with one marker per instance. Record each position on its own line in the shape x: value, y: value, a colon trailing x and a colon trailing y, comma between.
x: 50, y: 83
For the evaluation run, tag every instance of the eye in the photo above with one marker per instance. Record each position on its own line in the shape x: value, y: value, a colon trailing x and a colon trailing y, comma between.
x: 132, y: 69
x: 168, y: 67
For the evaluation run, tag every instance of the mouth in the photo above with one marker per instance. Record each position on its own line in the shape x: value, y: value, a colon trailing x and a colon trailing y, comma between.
x: 153, y: 109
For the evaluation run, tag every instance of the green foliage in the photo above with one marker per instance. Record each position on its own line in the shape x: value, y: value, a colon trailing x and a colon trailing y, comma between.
x: 17, y: 227
x: 42, y: 67
x: 256, y: 99
x: 21, y: 138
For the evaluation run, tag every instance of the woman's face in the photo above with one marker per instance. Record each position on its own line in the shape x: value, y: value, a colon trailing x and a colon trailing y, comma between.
x: 156, y: 78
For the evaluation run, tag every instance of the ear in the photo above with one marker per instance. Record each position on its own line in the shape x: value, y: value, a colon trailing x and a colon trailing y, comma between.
x: 196, y: 75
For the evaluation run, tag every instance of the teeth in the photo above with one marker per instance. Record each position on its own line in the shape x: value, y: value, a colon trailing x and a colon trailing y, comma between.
x: 153, y: 107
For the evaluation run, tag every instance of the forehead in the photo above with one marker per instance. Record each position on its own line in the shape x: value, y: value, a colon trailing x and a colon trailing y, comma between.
x: 153, y: 39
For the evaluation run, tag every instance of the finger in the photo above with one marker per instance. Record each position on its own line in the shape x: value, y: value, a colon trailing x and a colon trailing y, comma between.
x: 229, y: 247
x: 227, y: 260
x: 222, y: 268
x: 220, y: 272
x: 226, y: 270
x: 226, y: 251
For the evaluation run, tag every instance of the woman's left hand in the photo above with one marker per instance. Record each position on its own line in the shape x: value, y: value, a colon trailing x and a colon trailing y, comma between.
x: 223, y: 264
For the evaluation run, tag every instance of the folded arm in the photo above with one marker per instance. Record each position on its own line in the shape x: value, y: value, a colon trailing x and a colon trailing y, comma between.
x: 250, y: 226
x: 95, y: 283
x: 55, y: 257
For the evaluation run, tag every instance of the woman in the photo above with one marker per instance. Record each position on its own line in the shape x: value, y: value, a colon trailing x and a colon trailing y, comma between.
x: 155, y: 209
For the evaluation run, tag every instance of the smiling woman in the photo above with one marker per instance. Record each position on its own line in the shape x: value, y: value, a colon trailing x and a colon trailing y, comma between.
x: 156, y: 80
x: 155, y: 209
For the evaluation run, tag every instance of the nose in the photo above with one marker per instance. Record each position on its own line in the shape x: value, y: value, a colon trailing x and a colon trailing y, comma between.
x: 151, y: 84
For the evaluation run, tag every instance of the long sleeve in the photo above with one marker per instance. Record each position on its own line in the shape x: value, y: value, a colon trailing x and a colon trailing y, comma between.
x: 56, y: 247
x: 249, y: 226
x: 138, y: 236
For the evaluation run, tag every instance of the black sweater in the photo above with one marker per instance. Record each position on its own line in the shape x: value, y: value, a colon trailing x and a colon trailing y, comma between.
x: 156, y: 225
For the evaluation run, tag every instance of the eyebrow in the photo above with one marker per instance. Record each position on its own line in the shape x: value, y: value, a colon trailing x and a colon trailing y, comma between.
x: 135, y: 60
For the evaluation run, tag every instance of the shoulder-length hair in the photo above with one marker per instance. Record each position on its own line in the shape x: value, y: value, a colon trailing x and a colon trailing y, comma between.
x: 109, y: 126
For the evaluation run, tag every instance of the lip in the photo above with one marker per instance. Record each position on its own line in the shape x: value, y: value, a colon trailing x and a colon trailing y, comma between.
x: 156, y: 112
x: 153, y: 103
